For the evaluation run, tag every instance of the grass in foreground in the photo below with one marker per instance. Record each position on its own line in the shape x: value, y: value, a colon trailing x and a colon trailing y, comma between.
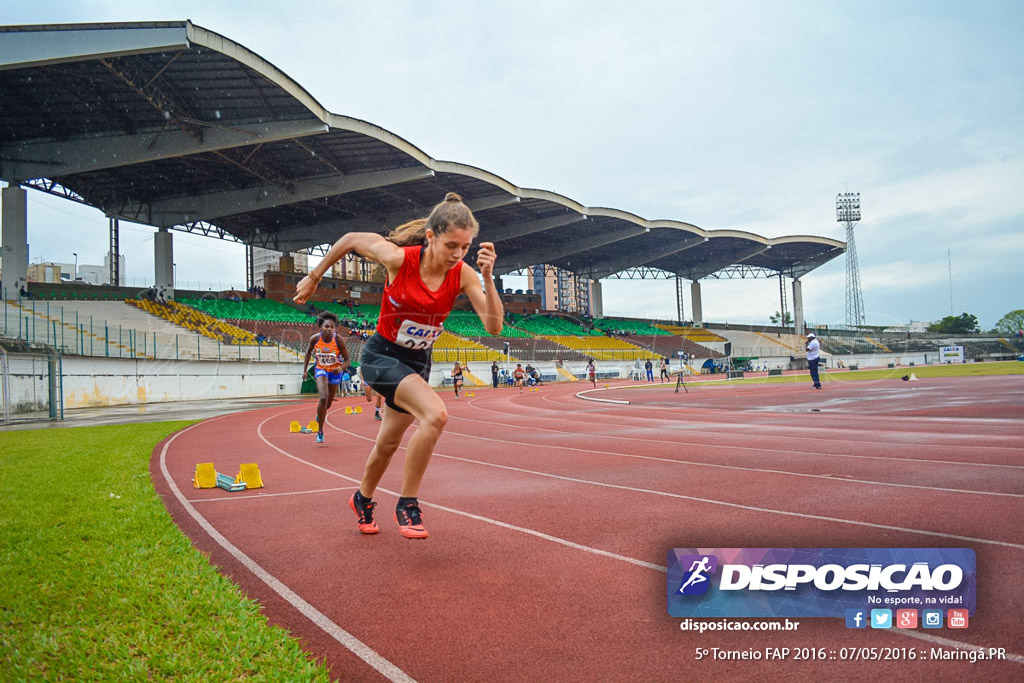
x: 99, y: 584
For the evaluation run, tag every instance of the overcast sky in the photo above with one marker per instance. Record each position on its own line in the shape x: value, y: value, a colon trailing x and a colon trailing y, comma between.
x: 727, y: 115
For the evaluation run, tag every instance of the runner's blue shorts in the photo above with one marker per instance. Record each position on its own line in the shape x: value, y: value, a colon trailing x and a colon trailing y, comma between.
x: 332, y: 377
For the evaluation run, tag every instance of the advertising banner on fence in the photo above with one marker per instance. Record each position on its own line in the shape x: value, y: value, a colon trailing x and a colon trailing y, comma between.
x: 951, y: 354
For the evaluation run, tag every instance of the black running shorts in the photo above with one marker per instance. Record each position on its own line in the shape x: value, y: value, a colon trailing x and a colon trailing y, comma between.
x: 385, y: 364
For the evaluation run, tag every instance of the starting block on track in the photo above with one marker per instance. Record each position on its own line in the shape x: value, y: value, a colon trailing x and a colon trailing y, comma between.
x: 294, y: 427
x: 228, y: 484
x: 249, y: 474
x: 205, y: 476
x: 313, y: 426
x: 348, y: 410
x: 358, y: 410
x: 470, y: 395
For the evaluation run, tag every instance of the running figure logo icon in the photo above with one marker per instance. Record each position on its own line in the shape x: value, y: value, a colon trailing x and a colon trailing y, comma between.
x: 696, y: 581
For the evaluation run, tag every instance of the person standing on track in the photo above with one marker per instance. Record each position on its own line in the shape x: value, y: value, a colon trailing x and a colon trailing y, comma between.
x: 328, y: 347
x: 592, y: 372
x: 370, y: 393
x: 457, y: 378
x: 425, y: 273
x: 813, y: 349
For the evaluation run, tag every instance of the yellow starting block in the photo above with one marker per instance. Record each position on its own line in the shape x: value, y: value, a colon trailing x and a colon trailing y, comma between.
x: 205, y: 476
x: 249, y: 474
x: 348, y: 410
x: 313, y: 426
x: 470, y: 395
x: 294, y: 427
x: 358, y: 410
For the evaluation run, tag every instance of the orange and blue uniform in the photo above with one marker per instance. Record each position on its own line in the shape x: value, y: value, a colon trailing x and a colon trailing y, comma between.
x: 328, y: 363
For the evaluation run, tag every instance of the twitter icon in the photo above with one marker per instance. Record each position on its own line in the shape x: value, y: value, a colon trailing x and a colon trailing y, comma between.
x: 881, y: 618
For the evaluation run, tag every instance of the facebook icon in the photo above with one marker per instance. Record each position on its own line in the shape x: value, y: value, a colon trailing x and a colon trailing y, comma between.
x: 856, y: 618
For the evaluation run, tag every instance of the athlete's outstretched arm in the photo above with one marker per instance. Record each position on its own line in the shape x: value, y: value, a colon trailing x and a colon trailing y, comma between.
x: 487, y: 305
x: 367, y: 244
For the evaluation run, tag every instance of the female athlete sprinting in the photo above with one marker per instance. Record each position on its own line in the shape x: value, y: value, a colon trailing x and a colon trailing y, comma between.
x: 330, y: 350
x: 425, y: 273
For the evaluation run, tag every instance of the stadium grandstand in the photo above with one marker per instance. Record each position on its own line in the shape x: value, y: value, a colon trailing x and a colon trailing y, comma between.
x: 170, y: 125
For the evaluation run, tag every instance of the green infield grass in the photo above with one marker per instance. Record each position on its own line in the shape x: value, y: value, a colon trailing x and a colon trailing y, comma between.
x: 98, y: 584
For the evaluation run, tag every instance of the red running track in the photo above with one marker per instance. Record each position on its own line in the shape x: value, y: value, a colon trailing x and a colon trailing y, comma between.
x: 551, y: 518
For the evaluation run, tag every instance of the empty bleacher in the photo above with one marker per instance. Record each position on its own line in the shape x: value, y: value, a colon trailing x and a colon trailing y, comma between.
x: 114, y: 329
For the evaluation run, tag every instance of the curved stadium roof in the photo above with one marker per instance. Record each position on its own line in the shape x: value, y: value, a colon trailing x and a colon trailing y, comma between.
x: 171, y: 125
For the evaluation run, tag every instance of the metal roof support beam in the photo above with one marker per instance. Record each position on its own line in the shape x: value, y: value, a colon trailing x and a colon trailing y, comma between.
x: 803, y: 267
x: 734, y: 258
x: 612, y: 266
x: 28, y: 160
x: 212, y: 205
x: 322, y: 233
x: 534, y: 256
x: 507, y: 232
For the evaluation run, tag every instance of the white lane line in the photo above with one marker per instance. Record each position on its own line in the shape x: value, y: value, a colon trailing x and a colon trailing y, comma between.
x: 699, y: 444
x: 346, y: 639
x: 504, y: 525
x: 603, y: 553
x: 680, y: 496
x: 826, y: 477
x: 267, y: 495
x: 831, y: 430
x: 583, y: 395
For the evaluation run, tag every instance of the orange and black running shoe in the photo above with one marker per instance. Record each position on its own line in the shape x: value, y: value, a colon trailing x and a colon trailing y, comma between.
x: 363, y: 508
x: 410, y: 523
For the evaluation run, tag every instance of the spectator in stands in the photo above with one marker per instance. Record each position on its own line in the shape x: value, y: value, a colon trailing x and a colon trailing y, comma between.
x: 330, y: 353
x: 25, y: 294
x: 535, y: 376
x: 494, y: 374
x: 813, y: 348
x: 592, y: 371
x: 423, y: 260
x: 649, y: 369
x: 457, y: 379
x: 260, y: 339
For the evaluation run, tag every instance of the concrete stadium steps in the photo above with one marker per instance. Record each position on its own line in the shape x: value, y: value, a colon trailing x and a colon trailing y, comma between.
x: 450, y: 348
x: 601, y: 348
x: 694, y: 334
x: 669, y: 345
x: 197, y: 321
x: 293, y: 336
x: 33, y: 322
x: 130, y: 332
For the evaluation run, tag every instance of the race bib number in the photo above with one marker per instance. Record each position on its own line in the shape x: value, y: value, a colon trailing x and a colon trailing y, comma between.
x: 413, y: 335
x: 326, y: 359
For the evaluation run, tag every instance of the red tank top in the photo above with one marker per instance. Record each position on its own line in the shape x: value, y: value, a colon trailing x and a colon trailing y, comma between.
x: 327, y: 353
x: 410, y: 314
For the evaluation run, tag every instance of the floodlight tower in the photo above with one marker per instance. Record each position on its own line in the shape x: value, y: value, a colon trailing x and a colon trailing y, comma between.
x: 848, y: 211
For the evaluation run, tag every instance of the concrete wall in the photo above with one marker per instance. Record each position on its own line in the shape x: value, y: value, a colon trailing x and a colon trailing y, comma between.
x: 92, y: 381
